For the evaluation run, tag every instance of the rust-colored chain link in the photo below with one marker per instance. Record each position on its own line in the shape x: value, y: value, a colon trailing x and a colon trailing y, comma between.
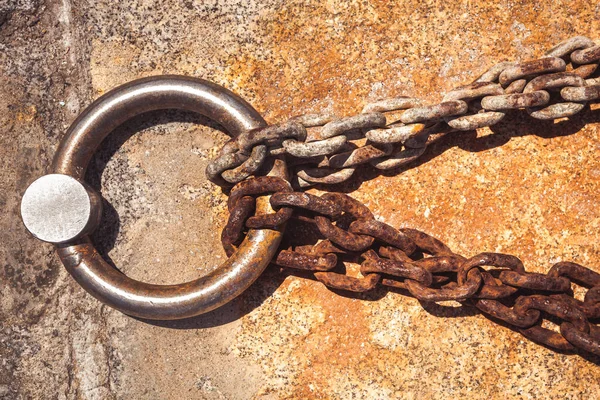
x: 390, y: 133
x: 421, y: 265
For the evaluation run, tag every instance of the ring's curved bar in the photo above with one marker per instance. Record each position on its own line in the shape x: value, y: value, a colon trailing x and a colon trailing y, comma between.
x: 84, y: 262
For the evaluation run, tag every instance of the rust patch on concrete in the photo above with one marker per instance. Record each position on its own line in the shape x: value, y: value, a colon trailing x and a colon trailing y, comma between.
x: 339, y: 344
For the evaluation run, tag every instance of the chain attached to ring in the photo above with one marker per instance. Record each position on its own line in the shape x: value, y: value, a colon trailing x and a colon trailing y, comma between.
x: 393, y: 132
x: 327, y: 150
x: 418, y: 264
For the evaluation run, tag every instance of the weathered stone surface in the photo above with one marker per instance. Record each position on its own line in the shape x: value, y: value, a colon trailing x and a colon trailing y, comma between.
x: 526, y: 188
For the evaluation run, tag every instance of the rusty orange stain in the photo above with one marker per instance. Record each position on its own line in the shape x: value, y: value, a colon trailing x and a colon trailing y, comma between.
x: 26, y: 114
x: 339, y: 344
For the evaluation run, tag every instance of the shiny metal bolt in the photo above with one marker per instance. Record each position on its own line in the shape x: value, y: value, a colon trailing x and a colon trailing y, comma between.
x: 58, y: 209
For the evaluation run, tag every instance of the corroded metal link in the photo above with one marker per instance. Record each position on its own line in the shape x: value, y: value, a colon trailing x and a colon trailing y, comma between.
x: 223, y: 163
x: 583, y: 93
x: 317, y: 148
x: 401, y: 157
x: 507, y: 314
x: 557, y: 308
x: 478, y: 119
x: 589, y: 342
x: 475, y: 121
x: 589, y: 307
x: 576, y: 273
x: 437, y: 264
x: 307, y: 201
x: 427, y: 243
x: 230, y: 147
x: 531, y: 68
x: 232, y: 232
x: 310, y: 176
x: 547, y: 337
x: 248, y: 167
x: 385, y: 233
x: 490, y: 259
x: 360, y: 121
x: 257, y: 186
x: 492, y: 74
x: 493, y: 288
x: 569, y: 46
x: 516, y: 100
x: 345, y: 239
x: 339, y: 281
x: 516, y: 86
x: 554, y: 111
x: 430, y: 264
x: 591, y: 303
x: 325, y: 247
x: 553, y: 81
x: 260, y: 186
x: 593, y: 81
x: 435, y: 112
x: 392, y: 104
x: 394, y: 134
x: 319, y: 161
x: 349, y: 283
x: 593, y: 295
x: 309, y: 262
x: 586, y: 56
x: 349, y: 205
x: 535, y: 281
x: 455, y: 292
x: 393, y: 282
x: 394, y: 254
x: 270, y: 221
x: 397, y: 268
x: 585, y: 71
x: 428, y: 136
x: 360, y: 155
x: 271, y: 135
x: 250, y: 152
x: 474, y: 90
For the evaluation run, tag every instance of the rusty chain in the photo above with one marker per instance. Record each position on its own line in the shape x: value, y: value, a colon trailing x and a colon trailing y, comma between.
x: 393, y: 132
x: 419, y: 264
x: 327, y: 150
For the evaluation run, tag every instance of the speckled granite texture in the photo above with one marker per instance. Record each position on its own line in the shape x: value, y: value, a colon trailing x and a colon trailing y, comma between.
x: 526, y: 188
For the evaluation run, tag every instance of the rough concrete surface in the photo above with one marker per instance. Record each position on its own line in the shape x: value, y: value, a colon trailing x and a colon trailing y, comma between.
x: 525, y: 188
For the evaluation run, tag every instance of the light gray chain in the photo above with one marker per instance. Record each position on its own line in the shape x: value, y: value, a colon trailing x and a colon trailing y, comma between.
x: 324, y: 149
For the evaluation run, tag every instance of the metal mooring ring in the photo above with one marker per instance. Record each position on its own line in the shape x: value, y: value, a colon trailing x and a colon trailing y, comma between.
x: 60, y: 208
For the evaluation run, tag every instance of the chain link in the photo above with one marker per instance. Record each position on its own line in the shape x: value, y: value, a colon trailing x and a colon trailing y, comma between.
x: 327, y: 150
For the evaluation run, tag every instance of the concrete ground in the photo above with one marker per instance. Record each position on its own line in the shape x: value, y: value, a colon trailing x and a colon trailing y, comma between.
x: 525, y: 188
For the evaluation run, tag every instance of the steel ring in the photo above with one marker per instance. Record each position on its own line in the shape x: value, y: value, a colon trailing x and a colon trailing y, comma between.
x: 79, y: 255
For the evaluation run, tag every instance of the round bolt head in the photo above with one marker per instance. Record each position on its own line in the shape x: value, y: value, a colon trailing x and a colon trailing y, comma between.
x: 58, y: 209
